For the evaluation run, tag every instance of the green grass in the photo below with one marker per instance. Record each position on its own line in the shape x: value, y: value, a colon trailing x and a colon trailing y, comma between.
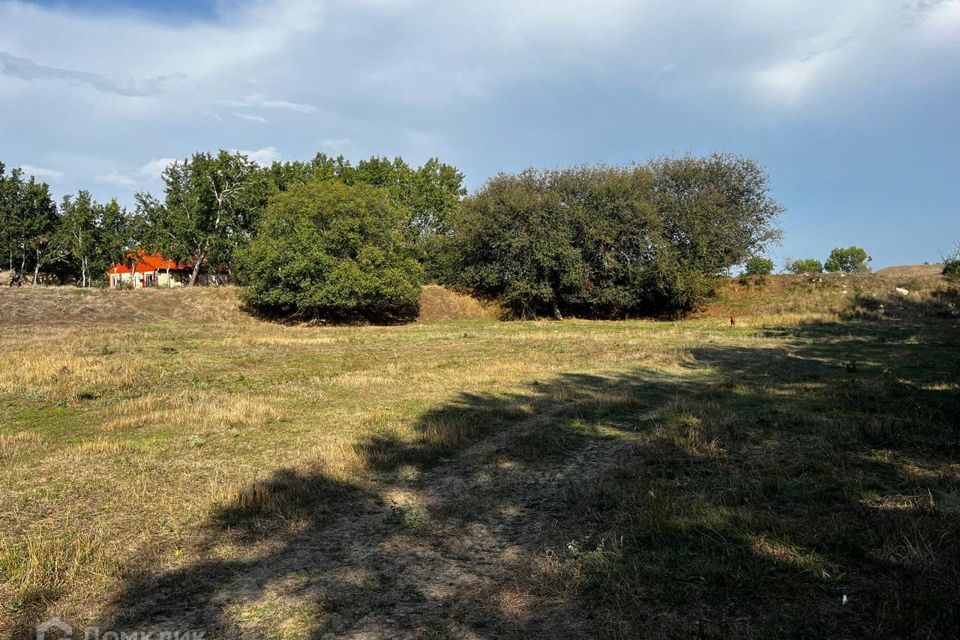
x: 480, y: 478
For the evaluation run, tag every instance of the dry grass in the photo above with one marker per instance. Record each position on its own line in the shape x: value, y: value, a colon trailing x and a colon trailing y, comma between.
x: 473, y: 477
x: 784, y: 295
x: 440, y: 303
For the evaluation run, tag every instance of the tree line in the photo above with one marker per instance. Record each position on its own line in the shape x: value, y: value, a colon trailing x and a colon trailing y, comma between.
x: 208, y: 211
x: 330, y: 239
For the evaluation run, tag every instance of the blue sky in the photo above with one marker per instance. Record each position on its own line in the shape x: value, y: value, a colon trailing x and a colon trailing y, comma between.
x: 851, y: 106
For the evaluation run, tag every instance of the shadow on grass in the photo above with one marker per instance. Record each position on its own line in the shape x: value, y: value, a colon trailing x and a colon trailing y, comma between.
x: 742, y: 498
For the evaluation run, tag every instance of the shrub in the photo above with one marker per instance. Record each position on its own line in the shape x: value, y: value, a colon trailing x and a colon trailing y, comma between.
x: 611, y: 242
x: 804, y: 266
x: 759, y: 266
x: 951, y: 267
x: 328, y: 250
x: 849, y: 260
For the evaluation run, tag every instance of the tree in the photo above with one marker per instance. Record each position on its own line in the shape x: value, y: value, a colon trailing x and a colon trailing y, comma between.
x: 431, y: 193
x: 29, y: 222
x: 8, y: 220
x: 804, y: 265
x: 611, y: 242
x: 514, y: 240
x: 118, y: 233
x: 850, y: 260
x: 78, y: 232
x: 327, y: 250
x: 759, y: 266
x: 210, y: 207
x: 951, y: 266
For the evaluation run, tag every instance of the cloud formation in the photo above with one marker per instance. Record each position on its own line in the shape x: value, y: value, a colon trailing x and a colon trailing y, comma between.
x: 494, y: 85
x: 25, y: 69
x: 41, y: 173
x: 258, y: 101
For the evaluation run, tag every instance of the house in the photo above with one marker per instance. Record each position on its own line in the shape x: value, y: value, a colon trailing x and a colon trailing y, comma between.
x: 143, y: 270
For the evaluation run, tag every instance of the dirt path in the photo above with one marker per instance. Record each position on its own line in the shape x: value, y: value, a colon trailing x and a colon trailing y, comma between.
x: 445, y: 552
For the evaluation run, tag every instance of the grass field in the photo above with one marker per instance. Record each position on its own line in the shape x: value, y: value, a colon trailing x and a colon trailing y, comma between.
x: 169, y: 463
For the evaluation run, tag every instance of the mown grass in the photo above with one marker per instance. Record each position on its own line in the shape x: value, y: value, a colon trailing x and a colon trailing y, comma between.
x: 477, y: 478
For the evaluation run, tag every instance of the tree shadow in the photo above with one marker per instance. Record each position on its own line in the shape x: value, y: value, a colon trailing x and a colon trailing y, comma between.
x: 742, y: 496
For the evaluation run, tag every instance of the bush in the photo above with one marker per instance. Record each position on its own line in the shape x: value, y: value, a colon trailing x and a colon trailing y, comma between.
x: 951, y: 267
x: 759, y: 266
x: 849, y: 260
x: 328, y: 250
x: 804, y: 266
x: 611, y: 242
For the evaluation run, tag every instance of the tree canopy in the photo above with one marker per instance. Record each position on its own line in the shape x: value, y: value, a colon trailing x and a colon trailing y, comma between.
x: 804, y: 266
x: 611, y: 241
x: 758, y: 266
x: 430, y: 193
x: 849, y: 260
x: 329, y: 250
x: 210, y: 207
x: 28, y: 222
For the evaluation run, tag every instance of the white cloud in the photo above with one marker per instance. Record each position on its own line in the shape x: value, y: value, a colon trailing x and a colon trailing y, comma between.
x: 408, y: 76
x: 26, y: 69
x: 117, y: 179
x: 154, y: 169
x: 41, y: 172
x: 249, y: 117
x: 788, y: 81
x: 335, y: 144
x: 265, y: 156
x: 258, y: 101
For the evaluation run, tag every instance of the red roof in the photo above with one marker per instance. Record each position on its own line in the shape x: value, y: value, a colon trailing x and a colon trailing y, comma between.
x: 146, y: 263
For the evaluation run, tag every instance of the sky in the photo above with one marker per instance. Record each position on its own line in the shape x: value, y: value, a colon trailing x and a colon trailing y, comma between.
x: 850, y: 105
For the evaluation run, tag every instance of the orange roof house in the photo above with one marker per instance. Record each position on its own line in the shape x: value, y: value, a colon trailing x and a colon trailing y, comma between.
x: 144, y: 270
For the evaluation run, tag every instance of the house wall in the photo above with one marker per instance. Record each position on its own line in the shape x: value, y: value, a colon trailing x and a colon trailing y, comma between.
x: 161, y: 279
x: 118, y: 280
x: 169, y: 280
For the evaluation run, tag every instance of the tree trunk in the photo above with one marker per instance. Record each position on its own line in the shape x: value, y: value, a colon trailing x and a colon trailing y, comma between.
x: 36, y: 273
x: 196, y: 268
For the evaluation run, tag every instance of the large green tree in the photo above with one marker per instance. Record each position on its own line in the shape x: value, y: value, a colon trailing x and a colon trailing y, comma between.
x: 329, y: 250
x: 611, y: 241
x: 430, y: 193
x: 78, y: 232
x: 118, y: 232
x: 29, y: 223
x: 210, y: 208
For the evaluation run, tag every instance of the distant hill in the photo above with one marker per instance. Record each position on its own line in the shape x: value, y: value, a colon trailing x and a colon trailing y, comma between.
x: 911, y: 270
x: 834, y: 293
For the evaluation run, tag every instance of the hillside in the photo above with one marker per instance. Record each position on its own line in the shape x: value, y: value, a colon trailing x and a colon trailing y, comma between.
x: 835, y: 294
x: 739, y: 297
x: 71, y: 305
